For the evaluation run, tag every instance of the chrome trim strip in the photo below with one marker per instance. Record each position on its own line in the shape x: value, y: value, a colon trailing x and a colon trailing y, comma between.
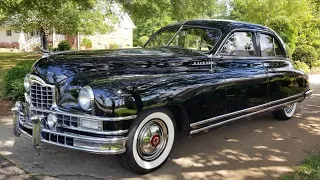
x: 88, y: 138
x: 242, y: 111
x: 118, y: 132
x: 243, y: 116
x: 57, y: 110
x: 86, y: 150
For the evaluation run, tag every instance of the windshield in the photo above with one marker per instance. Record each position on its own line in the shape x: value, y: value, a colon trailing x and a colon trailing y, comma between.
x: 193, y: 38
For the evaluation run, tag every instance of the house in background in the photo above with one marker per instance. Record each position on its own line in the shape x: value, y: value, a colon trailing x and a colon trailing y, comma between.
x: 14, y: 39
x: 121, y: 37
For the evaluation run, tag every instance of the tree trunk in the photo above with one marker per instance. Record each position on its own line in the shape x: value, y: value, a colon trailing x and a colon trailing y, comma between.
x: 44, y: 39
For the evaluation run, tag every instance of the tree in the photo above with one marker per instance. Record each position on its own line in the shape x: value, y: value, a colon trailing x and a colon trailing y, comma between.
x: 65, y: 16
x: 286, y: 17
x: 150, y: 15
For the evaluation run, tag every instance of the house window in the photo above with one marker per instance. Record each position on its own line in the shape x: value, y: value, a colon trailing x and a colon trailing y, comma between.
x: 9, y: 32
x: 32, y: 33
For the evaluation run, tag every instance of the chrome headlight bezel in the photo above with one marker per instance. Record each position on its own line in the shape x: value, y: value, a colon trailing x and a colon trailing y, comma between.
x: 86, y: 98
x: 26, y: 83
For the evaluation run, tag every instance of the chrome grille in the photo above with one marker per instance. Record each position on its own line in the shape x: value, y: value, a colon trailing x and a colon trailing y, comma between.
x: 68, y: 120
x: 41, y: 96
x: 60, y: 139
x: 63, y: 120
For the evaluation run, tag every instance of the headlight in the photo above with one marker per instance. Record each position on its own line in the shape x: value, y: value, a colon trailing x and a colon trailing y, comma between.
x: 86, y: 98
x: 26, y: 83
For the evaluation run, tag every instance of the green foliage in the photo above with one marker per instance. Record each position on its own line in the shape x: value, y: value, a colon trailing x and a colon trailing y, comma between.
x: 305, y: 53
x: 309, y: 170
x: 142, y: 40
x: 64, y: 46
x: 151, y: 15
x: 302, y: 66
x: 86, y: 43
x: 296, y: 21
x: 260, y: 12
x: 285, y: 28
x: 113, y: 46
x: 310, y: 33
x: 316, y: 63
x: 13, y: 80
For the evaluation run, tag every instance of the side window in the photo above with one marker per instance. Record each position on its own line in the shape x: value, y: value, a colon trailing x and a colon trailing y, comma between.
x: 239, y: 44
x: 270, y: 46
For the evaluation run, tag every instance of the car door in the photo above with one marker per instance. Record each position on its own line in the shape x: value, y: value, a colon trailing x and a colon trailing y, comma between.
x: 244, y: 72
x: 280, y: 71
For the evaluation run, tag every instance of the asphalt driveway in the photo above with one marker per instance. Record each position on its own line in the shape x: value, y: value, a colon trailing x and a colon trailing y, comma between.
x: 259, y: 148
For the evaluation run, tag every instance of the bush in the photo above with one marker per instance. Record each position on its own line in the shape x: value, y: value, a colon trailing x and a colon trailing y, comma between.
x: 142, y: 40
x: 64, y: 46
x: 113, y: 46
x: 9, y: 45
x: 316, y: 63
x: 13, y: 80
x: 302, y: 66
x: 305, y: 53
x: 86, y: 43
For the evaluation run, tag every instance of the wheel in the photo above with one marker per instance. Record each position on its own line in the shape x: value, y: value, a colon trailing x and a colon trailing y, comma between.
x: 285, y: 113
x: 149, y: 143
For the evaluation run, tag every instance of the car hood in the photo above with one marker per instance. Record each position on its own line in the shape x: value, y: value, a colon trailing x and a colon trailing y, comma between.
x: 90, y: 67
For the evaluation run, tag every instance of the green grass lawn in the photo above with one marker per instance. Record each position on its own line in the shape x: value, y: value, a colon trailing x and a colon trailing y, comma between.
x: 9, y: 60
x: 309, y: 170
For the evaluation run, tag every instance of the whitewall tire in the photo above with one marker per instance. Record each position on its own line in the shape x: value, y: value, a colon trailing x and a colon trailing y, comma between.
x: 150, y: 140
x: 285, y: 113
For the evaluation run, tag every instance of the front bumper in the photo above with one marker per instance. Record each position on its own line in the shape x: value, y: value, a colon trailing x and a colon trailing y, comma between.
x: 308, y: 94
x: 94, y: 142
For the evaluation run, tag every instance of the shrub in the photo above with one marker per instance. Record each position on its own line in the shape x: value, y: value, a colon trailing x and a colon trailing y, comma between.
x: 50, y: 47
x: 302, y: 66
x: 9, y: 45
x: 64, y: 45
x: 13, y: 80
x: 316, y: 63
x: 86, y: 43
x: 113, y: 46
x: 142, y: 40
x: 15, y: 45
x: 305, y: 53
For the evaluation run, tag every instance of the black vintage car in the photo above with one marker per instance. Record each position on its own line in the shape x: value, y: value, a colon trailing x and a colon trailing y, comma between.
x: 192, y: 75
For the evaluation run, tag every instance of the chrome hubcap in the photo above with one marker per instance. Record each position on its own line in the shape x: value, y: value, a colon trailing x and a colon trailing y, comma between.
x: 289, y: 108
x: 152, y: 139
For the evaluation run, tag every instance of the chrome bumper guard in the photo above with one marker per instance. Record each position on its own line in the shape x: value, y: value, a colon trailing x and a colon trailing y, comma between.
x: 308, y: 94
x: 35, y: 130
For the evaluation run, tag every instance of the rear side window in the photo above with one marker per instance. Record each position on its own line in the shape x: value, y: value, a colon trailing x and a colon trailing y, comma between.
x: 270, y: 46
x: 239, y: 44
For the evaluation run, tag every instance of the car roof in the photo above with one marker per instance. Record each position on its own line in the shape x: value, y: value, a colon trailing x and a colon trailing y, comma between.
x: 221, y: 24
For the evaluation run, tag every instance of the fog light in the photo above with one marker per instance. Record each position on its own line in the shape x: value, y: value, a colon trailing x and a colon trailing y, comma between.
x: 52, y: 121
x: 91, y: 124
